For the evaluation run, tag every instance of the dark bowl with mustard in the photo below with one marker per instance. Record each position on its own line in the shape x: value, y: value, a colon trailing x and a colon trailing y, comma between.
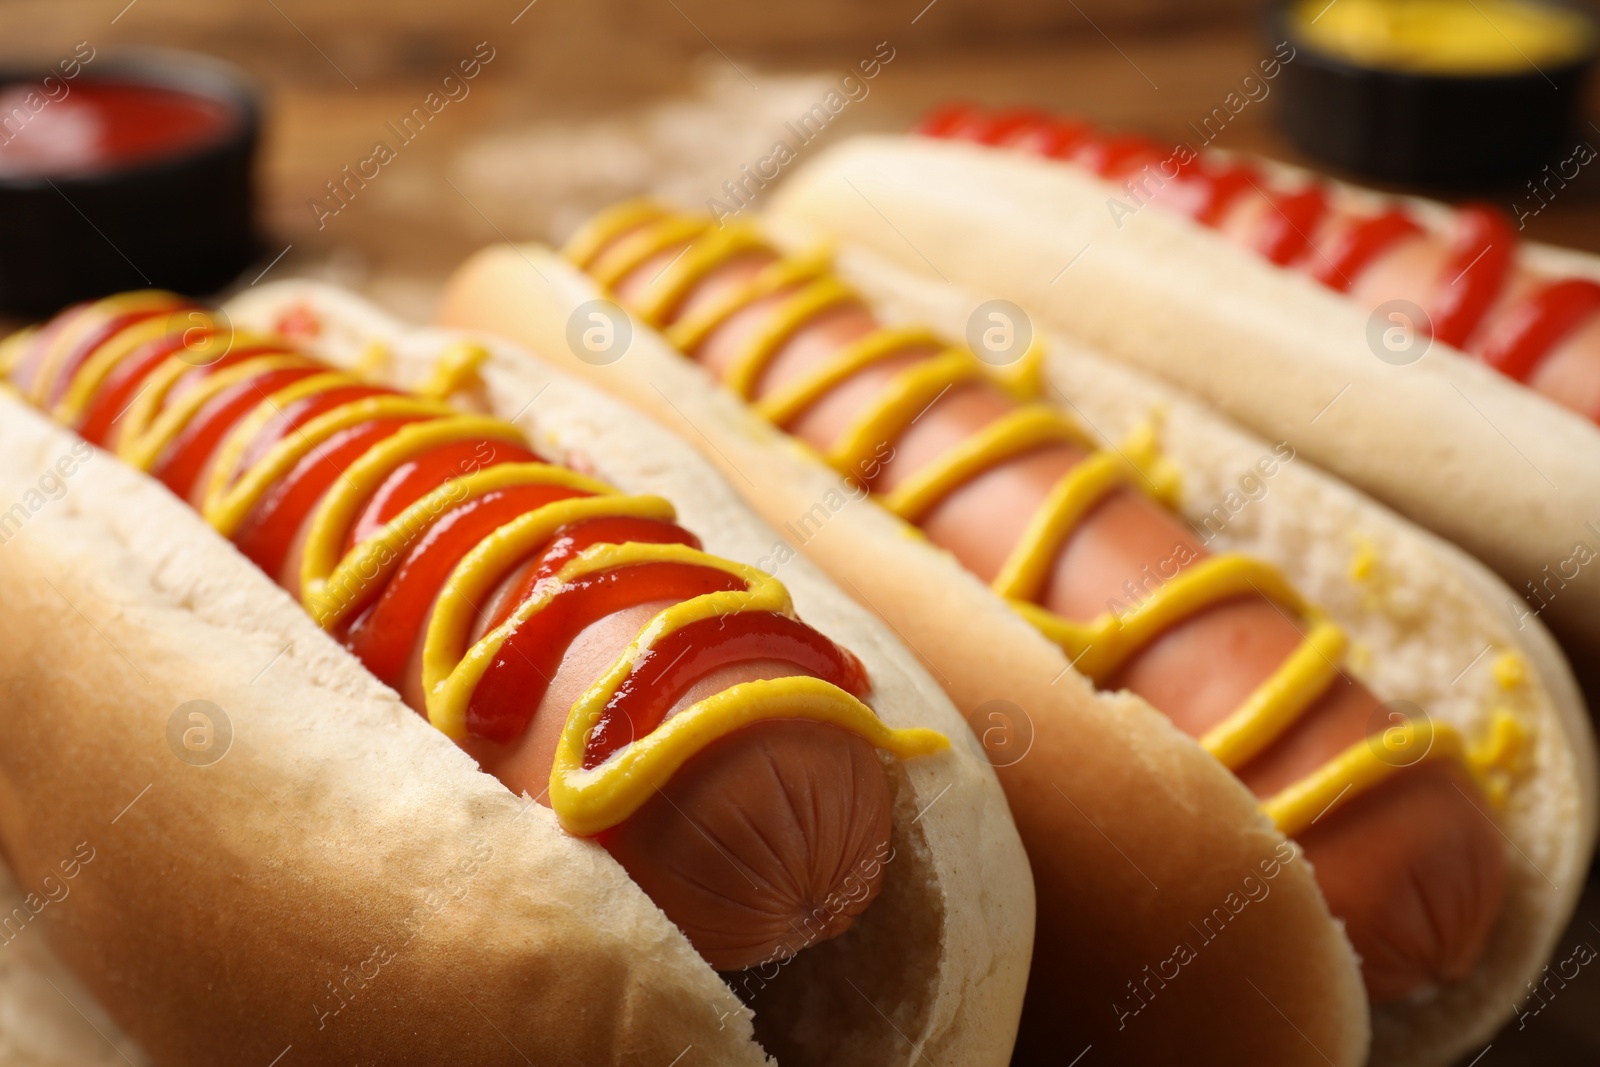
x: 1444, y: 93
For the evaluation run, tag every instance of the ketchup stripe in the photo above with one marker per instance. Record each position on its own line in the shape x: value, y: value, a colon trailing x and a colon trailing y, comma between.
x: 689, y: 654
x: 1286, y: 230
x: 525, y: 663
x: 1474, y: 275
x: 1356, y: 246
x: 1539, y: 324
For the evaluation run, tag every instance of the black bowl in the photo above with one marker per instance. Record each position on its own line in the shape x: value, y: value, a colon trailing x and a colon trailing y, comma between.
x: 1453, y: 131
x: 180, y: 220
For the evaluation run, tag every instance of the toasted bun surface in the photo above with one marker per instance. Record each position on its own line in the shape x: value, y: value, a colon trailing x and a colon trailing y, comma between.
x: 1510, y: 476
x: 345, y: 882
x: 47, y: 1018
x: 1133, y: 831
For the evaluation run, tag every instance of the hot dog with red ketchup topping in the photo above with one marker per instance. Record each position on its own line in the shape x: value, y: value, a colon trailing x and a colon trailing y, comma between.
x: 575, y: 640
x: 1480, y: 296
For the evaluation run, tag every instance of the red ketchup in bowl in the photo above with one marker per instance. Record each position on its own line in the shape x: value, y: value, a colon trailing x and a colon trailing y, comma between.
x: 104, y: 125
x: 135, y: 174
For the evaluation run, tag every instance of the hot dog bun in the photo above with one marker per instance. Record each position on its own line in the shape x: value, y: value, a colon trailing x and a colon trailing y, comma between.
x: 1431, y: 614
x: 1489, y: 464
x: 344, y: 881
x: 49, y: 1019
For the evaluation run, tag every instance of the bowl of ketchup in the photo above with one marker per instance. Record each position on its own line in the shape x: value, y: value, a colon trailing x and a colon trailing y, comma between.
x: 124, y: 172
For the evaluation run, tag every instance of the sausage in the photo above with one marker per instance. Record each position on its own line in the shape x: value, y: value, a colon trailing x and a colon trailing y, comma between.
x: 1415, y: 868
x: 766, y: 841
x: 792, y: 821
x: 752, y: 838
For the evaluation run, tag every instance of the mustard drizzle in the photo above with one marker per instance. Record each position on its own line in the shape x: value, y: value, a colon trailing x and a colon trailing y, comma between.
x: 76, y: 331
x: 333, y: 582
x: 622, y: 238
x: 92, y: 374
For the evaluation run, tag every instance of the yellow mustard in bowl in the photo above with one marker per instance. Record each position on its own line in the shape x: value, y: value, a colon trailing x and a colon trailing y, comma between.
x: 1445, y: 37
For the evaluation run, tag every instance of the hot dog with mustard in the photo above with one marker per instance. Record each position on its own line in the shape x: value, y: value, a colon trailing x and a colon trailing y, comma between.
x: 1425, y: 354
x: 1077, y: 539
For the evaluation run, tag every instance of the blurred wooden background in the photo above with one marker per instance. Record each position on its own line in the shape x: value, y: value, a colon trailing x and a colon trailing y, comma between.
x: 506, y: 160
x: 336, y: 73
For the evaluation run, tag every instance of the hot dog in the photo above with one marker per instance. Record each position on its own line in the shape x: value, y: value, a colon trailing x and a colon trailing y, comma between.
x: 1478, y: 293
x: 582, y: 646
x: 1347, y: 350
x: 1075, y: 538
